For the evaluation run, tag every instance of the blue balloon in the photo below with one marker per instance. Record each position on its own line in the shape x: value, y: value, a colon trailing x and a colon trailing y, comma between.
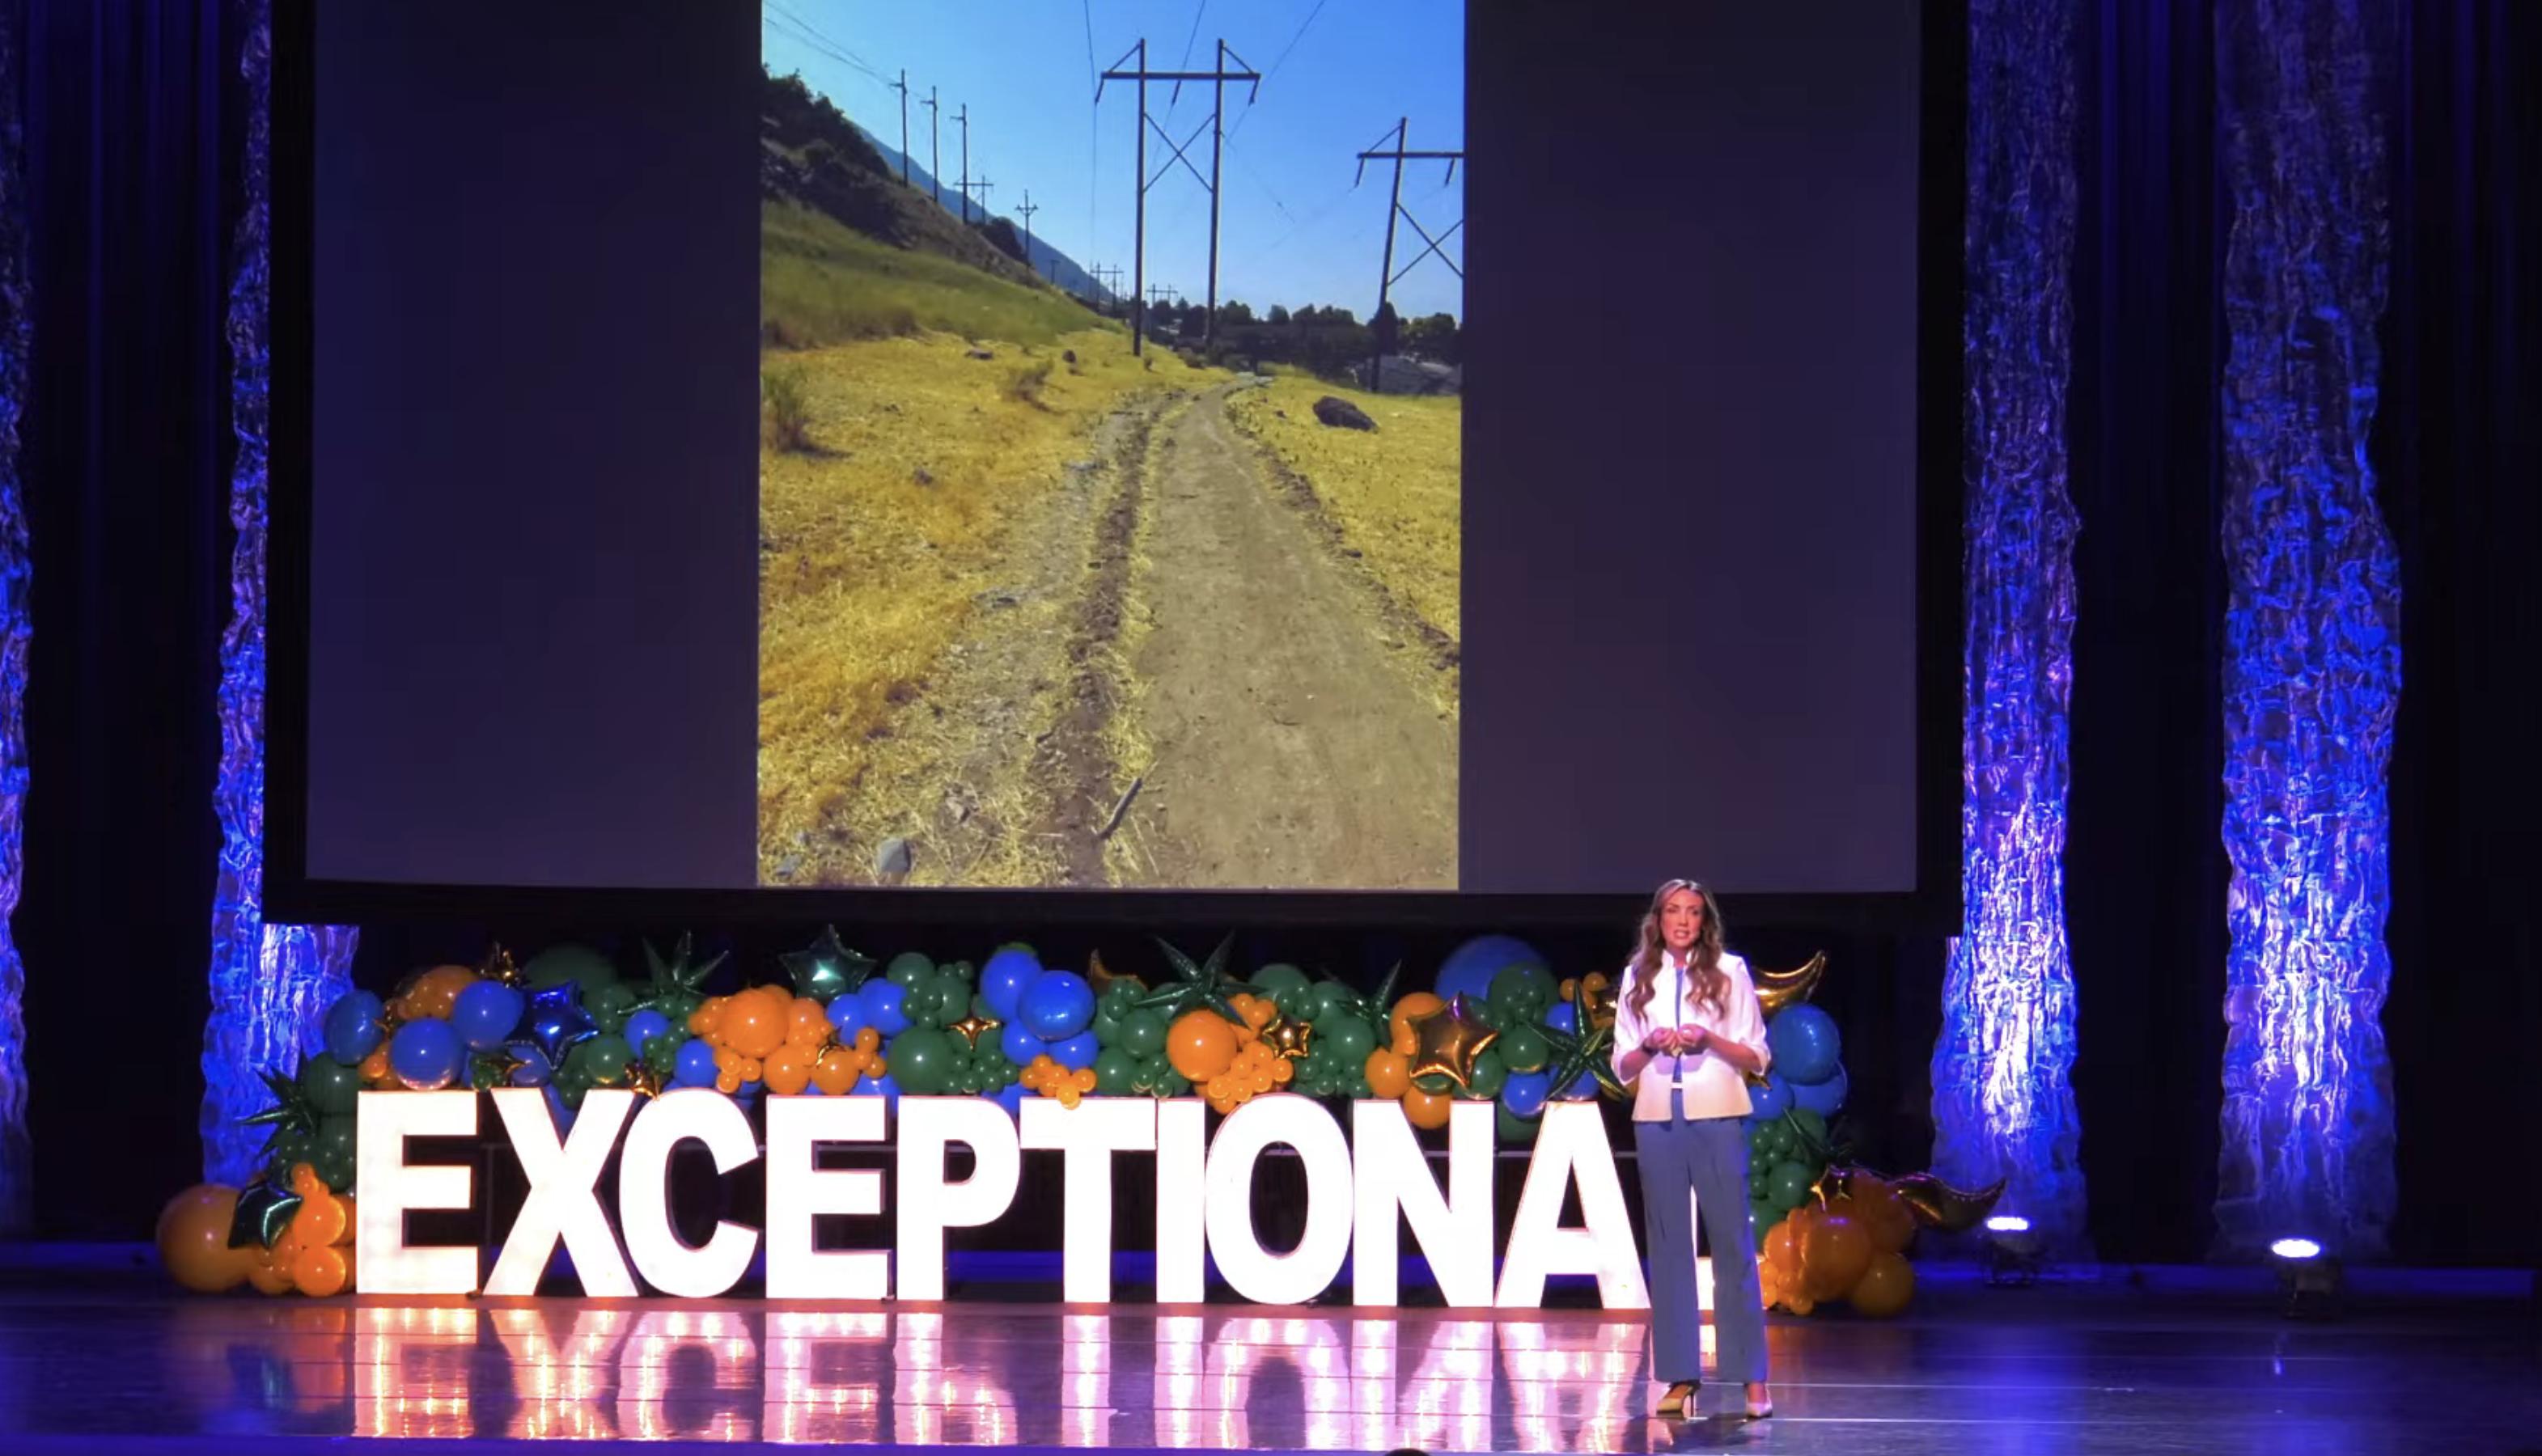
x: 1011, y: 1097
x: 1470, y: 968
x: 697, y: 1064
x: 1020, y: 1044
x: 425, y: 1055
x: 881, y: 1001
x: 1057, y: 1005
x: 887, y: 1089
x: 535, y: 1069
x: 486, y: 1014
x: 353, y: 1027
x: 847, y: 1017
x: 645, y: 1026
x: 1525, y: 1093
x: 1076, y: 1053
x: 557, y: 1107
x: 1582, y: 1090
x: 1804, y: 1042
x: 1003, y: 980
x: 1564, y: 1018
x: 1771, y: 1101
x: 1823, y: 1098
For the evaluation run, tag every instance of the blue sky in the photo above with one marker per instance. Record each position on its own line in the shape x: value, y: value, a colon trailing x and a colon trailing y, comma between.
x: 1339, y: 75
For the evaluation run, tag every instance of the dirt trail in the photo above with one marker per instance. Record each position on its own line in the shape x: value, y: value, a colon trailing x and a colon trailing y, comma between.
x: 1290, y: 747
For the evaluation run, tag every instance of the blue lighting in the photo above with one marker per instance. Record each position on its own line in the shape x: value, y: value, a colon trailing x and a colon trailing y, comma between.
x: 2296, y: 1250
x: 2008, y: 1224
x: 2312, y: 649
x: 2003, y: 1104
x: 271, y: 983
x: 16, y: 1156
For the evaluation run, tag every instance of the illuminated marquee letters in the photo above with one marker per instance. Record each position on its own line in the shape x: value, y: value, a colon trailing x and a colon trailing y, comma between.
x: 1357, y: 1189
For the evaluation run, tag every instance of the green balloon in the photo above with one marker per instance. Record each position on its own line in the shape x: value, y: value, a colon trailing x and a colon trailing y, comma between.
x: 1113, y: 1071
x: 1107, y: 1027
x: 1331, y: 996
x: 1489, y: 1076
x: 909, y: 970
x: 921, y: 1060
x: 336, y: 1139
x: 335, y: 1170
x: 1808, y: 1128
x: 1119, y: 999
x: 1526, y: 980
x: 662, y: 1054
x: 602, y: 1059
x: 1437, y: 1084
x: 952, y: 997
x: 1352, y: 1038
x: 1296, y: 1002
x: 1761, y: 1218
x: 329, y: 1085
x: 1524, y: 1049
x: 1788, y: 1184
x: 558, y: 964
x: 1275, y: 979
x: 1143, y: 1032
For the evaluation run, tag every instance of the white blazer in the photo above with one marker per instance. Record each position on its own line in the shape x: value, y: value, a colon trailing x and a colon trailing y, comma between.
x: 1712, y: 1087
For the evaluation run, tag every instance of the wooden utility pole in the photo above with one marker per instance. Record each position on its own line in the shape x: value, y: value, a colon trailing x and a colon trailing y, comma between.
x: 963, y: 120
x: 902, y: 86
x: 935, y: 152
x: 1387, y: 276
x: 1027, y: 210
x: 1218, y: 78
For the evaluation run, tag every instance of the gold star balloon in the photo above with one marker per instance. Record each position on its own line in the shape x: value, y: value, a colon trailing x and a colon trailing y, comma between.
x: 1289, y: 1037
x: 1447, y: 1040
x: 1597, y: 1000
x: 499, y: 965
x: 1937, y: 1204
x: 1103, y: 978
x: 970, y: 1028
x: 644, y: 1079
x: 1776, y: 989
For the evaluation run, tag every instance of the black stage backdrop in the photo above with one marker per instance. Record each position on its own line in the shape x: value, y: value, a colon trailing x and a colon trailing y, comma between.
x: 131, y: 135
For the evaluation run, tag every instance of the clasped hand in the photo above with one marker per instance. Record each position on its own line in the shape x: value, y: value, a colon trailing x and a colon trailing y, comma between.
x: 1681, y: 1041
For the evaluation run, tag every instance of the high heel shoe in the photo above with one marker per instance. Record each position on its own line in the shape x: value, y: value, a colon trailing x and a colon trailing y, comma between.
x: 1679, y: 1403
x: 1761, y: 1409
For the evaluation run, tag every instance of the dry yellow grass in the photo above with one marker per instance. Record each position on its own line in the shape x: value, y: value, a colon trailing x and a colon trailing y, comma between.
x: 1393, y: 491
x: 874, y: 546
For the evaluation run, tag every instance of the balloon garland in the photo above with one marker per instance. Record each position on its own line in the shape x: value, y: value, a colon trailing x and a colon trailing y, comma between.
x: 1498, y: 1026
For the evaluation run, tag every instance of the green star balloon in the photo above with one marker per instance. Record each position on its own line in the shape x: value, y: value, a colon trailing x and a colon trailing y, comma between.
x: 292, y: 1110
x: 1196, y: 983
x: 677, y: 984
x: 826, y: 970
x: 264, y: 1210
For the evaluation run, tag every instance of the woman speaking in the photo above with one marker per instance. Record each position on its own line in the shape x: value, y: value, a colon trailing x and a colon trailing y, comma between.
x: 1689, y: 1034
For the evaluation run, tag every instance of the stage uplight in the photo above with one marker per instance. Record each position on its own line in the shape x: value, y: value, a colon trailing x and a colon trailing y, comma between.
x: 2013, y: 1251
x: 2309, y: 1278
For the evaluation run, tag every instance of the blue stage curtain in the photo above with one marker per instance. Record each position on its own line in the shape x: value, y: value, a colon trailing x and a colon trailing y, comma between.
x: 17, y: 1161
x: 2003, y: 1104
x: 271, y: 983
x: 2312, y: 650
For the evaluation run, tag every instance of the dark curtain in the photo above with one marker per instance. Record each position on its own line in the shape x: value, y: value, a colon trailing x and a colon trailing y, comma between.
x: 130, y: 143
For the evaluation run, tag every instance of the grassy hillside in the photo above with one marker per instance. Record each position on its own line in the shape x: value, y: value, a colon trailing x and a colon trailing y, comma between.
x: 821, y: 283
x: 1393, y: 491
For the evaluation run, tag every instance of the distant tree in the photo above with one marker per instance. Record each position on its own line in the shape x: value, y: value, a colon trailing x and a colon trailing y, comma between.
x: 1434, y: 338
x: 1165, y: 314
x: 1279, y: 314
x: 1388, y: 327
x: 1233, y: 313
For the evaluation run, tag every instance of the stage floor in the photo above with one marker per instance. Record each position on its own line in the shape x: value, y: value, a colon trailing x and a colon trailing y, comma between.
x: 2095, y: 1368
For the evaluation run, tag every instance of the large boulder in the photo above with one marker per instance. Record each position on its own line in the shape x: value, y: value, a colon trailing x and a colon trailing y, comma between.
x: 1342, y: 415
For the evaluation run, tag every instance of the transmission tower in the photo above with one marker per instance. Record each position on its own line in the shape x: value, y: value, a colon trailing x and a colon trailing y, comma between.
x: 1218, y: 79
x: 1387, y: 276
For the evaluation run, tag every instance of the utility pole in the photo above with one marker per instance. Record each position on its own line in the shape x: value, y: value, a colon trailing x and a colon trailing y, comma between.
x: 935, y: 152
x: 1387, y: 276
x: 902, y: 86
x: 983, y: 186
x: 1218, y: 78
x: 1027, y: 210
x: 963, y: 120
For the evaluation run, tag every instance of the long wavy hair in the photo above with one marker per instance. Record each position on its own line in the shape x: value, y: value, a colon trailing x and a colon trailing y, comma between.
x: 1711, y: 987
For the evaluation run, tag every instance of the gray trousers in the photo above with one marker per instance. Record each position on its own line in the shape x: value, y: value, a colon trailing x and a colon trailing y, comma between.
x: 1709, y: 1157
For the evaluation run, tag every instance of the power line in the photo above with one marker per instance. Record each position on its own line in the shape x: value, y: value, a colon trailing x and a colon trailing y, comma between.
x: 1299, y: 35
x: 1185, y: 63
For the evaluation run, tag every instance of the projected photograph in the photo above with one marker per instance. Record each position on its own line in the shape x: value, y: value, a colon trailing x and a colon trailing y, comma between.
x: 1111, y: 380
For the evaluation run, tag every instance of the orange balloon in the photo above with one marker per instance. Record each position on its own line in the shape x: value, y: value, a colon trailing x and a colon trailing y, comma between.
x: 754, y: 1022
x: 319, y: 1224
x: 1799, y: 1304
x: 346, y: 1239
x: 1388, y: 1075
x: 375, y: 1068
x: 708, y: 1015
x: 270, y: 1277
x: 788, y: 1069
x: 1783, y: 1246
x: 1884, y: 1214
x: 807, y: 1021
x: 436, y: 991
x: 1399, y: 1025
x: 194, y: 1240
x: 1835, y: 1251
x: 321, y: 1272
x: 1200, y: 1045
x: 1887, y: 1283
x: 835, y: 1071
x: 1425, y: 1109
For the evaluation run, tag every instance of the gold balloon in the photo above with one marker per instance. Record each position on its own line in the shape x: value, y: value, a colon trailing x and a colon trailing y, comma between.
x: 499, y: 966
x: 644, y: 1079
x: 970, y: 1026
x: 1447, y: 1041
x: 1597, y: 1000
x: 1287, y: 1037
x: 1776, y: 989
x: 1103, y: 978
x: 1937, y: 1204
